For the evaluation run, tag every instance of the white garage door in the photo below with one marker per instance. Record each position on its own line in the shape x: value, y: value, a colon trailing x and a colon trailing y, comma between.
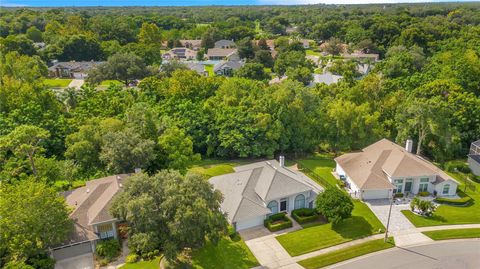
x: 375, y: 194
x: 245, y: 224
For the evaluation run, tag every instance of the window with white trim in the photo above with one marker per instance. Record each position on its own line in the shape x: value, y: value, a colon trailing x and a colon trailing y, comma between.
x: 446, y: 189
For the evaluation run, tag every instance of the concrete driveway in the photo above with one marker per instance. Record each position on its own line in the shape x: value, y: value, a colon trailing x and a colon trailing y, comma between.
x: 76, y: 83
x: 267, y: 250
x: 404, y: 232
x: 398, y: 221
x: 79, y: 262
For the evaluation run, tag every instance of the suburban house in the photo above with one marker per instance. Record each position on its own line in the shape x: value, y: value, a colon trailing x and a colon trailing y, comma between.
x: 197, y: 67
x: 71, y: 69
x: 225, y: 44
x: 226, y: 68
x: 194, y: 44
x: 360, y: 55
x: 216, y: 54
x: 384, y: 168
x: 474, y: 158
x: 305, y: 43
x: 92, y: 221
x: 255, y: 191
x: 327, y: 78
x: 180, y: 53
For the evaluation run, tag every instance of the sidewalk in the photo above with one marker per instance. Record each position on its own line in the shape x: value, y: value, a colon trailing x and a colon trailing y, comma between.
x: 448, y: 227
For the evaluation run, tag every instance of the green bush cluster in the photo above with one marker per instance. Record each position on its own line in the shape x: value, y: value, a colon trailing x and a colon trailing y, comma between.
x: 398, y: 195
x: 462, y: 201
x: 460, y: 166
x: 132, y: 258
x: 304, y: 215
x: 278, y: 222
x: 108, y: 249
x: 424, y: 207
x: 424, y: 193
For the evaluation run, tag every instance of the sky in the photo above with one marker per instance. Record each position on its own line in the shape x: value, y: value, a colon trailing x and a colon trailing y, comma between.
x: 51, y: 3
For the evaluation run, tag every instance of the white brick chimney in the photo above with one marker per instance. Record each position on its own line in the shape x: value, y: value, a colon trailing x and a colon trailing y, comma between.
x: 409, y: 145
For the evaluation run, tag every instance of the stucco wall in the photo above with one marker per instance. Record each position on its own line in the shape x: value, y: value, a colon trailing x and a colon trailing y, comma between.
x: 474, y: 166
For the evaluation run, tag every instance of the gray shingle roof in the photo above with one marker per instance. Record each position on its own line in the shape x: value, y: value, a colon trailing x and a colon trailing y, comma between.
x: 91, y: 205
x: 234, y: 65
x: 75, y: 66
x: 224, y: 43
x: 247, y: 190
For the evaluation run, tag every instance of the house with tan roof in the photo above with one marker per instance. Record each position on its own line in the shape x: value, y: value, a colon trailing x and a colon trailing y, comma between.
x: 385, y: 168
x: 255, y: 191
x: 217, y: 54
x: 92, y: 220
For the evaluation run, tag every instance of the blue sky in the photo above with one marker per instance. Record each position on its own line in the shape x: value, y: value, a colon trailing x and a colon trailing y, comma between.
x: 38, y: 3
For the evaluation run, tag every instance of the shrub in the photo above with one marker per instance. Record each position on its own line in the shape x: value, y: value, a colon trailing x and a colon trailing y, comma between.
x: 131, y: 258
x: 398, y: 195
x: 424, y: 207
x: 460, y: 166
x: 142, y: 243
x: 108, y: 249
x: 304, y: 215
x: 462, y: 201
x: 278, y: 222
x: 341, y: 184
x: 424, y: 193
x: 334, y: 204
x: 103, y: 262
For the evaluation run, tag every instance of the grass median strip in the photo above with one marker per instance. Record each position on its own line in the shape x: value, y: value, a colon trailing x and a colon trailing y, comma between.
x: 347, y: 253
x: 453, y: 234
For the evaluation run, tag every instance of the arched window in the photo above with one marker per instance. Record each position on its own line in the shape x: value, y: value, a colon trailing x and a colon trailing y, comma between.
x: 299, y: 201
x: 273, y: 206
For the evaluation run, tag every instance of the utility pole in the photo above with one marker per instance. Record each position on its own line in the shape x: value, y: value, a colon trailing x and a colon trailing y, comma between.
x: 388, y: 220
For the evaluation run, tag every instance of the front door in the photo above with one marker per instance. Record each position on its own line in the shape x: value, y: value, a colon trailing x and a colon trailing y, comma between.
x: 408, y: 186
x: 283, y: 205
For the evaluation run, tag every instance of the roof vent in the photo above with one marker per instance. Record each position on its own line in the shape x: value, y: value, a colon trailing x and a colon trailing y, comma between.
x: 239, y: 182
x: 120, y: 185
x: 88, y: 190
x: 409, y: 145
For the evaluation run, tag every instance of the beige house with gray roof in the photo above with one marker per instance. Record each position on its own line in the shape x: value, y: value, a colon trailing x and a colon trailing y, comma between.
x: 92, y: 220
x: 256, y: 190
x: 385, y: 168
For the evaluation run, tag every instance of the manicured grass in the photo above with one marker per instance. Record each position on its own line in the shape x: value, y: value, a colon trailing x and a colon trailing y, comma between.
x: 212, y: 171
x: 313, y: 53
x: 322, y: 165
x: 209, y: 69
x: 227, y: 254
x: 448, y: 214
x: 453, y: 234
x: 362, y: 223
x: 153, y: 264
x: 108, y: 82
x: 57, y: 82
x: 347, y: 253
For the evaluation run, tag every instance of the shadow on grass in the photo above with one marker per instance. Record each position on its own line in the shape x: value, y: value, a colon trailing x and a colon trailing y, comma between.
x: 354, y: 227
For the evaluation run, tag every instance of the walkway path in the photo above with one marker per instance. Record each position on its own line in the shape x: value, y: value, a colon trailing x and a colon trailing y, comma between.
x: 449, y: 227
x: 76, y: 83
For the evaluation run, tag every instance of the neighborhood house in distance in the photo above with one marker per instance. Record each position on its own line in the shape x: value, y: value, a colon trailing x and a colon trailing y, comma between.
x: 257, y: 190
x: 474, y: 158
x: 385, y: 168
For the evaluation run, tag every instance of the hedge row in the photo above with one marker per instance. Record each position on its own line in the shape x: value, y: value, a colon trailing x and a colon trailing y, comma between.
x: 464, y: 200
x: 304, y: 215
x: 284, y: 222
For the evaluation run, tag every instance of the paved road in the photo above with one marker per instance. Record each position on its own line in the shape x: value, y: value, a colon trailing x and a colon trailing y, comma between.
x: 448, y: 255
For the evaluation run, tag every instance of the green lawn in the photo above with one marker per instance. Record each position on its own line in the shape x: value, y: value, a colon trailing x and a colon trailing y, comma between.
x: 108, y: 82
x: 227, y: 254
x: 214, y: 167
x: 313, y: 53
x: 153, y: 264
x: 322, y: 165
x: 347, y: 253
x: 447, y: 214
x: 362, y: 223
x: 453, y: 234
x: 57, y: 82
x: 209, y: 69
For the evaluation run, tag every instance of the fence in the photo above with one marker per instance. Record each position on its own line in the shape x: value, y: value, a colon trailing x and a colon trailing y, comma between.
x: 314, y: 176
